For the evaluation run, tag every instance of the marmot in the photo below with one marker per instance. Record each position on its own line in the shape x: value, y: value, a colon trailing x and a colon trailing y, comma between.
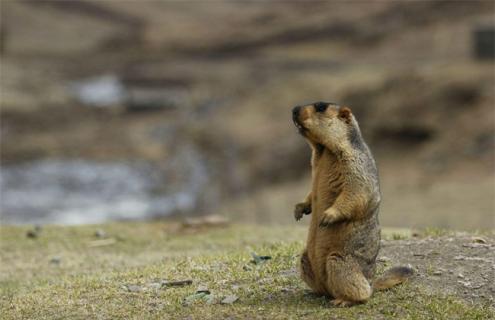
x: 344, y: 233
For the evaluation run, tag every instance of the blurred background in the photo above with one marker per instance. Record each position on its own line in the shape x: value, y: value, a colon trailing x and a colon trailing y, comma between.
x: 124, y: 110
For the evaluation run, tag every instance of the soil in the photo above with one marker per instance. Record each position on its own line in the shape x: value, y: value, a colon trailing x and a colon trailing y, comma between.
x: 461, y: 265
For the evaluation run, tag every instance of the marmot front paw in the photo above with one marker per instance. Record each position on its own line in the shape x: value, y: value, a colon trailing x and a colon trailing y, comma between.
x: 330, y: 217
x: 301, y: 209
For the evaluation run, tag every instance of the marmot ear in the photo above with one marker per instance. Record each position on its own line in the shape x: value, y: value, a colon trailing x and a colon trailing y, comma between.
x: 345, y: 114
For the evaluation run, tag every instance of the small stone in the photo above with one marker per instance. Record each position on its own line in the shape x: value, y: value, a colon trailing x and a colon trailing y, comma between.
x: 477, y: 286
x: 176, y: 283
x: 460, y: 275
x: 478, y: 240
x: 259, y: 259
x: 32, y: 234
x: 55, y: 260
x: 134, y: 288
x: 230, y: 299
x: 211, y: 299
x: 384, y: 259
x: 100, y: 233
x: 466, y: 284
x: 202, y: 289
x: 155, y: 285
x: 437, y: 273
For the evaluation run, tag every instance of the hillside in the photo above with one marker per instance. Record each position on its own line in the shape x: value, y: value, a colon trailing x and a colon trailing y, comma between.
x: 406, y: 69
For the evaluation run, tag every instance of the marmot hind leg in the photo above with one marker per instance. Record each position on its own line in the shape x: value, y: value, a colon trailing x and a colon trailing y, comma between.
x: 345, y: 281
x: 307, y: 274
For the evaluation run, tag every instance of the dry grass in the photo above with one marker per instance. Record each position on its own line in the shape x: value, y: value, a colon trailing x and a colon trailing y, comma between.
x: 57, y: 275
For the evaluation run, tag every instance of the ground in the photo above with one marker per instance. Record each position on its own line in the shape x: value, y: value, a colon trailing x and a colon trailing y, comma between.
x: 120, y: 270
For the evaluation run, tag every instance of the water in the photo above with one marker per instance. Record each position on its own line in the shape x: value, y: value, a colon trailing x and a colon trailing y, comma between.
x: 81, y: 191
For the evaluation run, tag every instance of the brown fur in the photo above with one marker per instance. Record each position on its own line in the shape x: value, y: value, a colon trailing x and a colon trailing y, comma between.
x: 344, y: 233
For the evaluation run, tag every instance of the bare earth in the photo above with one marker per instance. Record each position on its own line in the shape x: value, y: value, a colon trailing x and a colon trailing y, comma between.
x: 457, y: 265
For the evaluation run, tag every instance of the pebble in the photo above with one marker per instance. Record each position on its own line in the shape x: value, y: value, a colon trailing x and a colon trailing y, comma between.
x: 55, y: 260
x: 176, y: 283
x: 202, y: 289
x: 35, y: 232
x: 230, y: 299
x: 32, y: 234
x: 134, y: 288
x: 478, y: 240
x: 155, y: 285
x: 100, y: 233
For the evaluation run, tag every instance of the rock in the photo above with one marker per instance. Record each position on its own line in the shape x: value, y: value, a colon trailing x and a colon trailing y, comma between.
x: 31, y: 234
x: 100, y: 233
x: 259, y: 259
x: 479, y: 240
x: 155, y: 285
x: 133, y: 288
x: 55, y: 260
x: 202, y: 289
x: 437, y: 273
x: 176, y: 283
x: 466, y: 284
x: 211, y: 299
x: 103, y: 91
x: 384, y: 259
x: 230, y: 299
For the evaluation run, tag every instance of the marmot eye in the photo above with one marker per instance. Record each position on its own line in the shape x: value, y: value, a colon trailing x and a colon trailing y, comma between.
x: 321, y: 106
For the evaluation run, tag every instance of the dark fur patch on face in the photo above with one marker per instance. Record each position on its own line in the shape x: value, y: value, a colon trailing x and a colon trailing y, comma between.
x: 322, y: 106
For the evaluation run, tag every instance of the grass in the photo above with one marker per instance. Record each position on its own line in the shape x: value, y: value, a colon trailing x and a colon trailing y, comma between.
x: 61, y: 274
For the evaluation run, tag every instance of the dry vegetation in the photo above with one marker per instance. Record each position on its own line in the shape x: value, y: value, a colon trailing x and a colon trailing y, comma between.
x: 124, y: 271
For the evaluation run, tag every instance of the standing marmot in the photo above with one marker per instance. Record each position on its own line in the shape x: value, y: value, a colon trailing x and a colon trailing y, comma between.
x: 344, y: 233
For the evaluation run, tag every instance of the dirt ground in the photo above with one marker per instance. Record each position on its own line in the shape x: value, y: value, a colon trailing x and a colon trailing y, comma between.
x: 462, y: 265
x: 113, y: 271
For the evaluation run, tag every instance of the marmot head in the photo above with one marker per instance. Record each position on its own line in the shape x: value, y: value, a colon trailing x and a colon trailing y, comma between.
x: 326, y: 124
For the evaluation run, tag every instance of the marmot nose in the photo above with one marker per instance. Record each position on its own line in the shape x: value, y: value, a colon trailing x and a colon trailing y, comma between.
x: 295, y: 112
